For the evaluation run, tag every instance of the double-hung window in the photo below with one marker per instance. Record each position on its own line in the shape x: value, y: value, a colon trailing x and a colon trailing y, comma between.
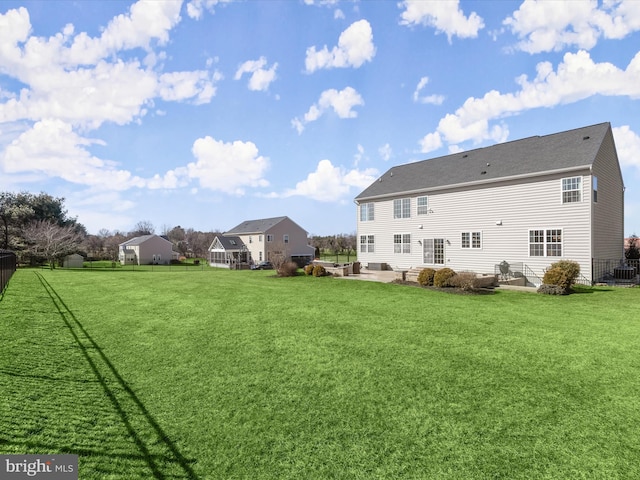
x: 367, y: 244
x: 471, y: 239
x: 285, y: 238
x: 594, y: 181
x: 571, y: 189
x: 402, y: 243
x: 402, y: 208
x: 422, y: 205
x: 366, y: 212
x: 545, y: 243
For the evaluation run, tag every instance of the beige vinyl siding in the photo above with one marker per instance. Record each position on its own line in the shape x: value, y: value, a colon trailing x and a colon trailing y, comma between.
x: 518, y: 206
x: 608, y: 212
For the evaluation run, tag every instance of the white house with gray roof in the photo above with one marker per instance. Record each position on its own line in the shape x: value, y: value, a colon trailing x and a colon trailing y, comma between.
x: 528, y: 203
x: 255, y: 241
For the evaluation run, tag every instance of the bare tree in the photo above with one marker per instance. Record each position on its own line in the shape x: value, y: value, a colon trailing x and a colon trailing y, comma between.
x: 50, y: 241
x: 278, y: 254
x: 143, y: 227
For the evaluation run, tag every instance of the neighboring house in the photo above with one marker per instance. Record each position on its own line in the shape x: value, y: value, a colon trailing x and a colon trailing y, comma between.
x: 74, y: 260
x: 528, y: 202
x: 146, y: 250
x: 255, y: 241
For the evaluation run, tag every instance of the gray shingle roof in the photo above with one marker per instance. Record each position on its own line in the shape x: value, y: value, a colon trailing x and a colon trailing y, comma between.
x: 137, y: 240
x: 255, y: 226
x: 230, y: 242
x: 555, y: 152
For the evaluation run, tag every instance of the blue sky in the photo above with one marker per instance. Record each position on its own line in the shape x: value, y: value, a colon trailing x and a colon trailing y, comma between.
x: 205, y: 113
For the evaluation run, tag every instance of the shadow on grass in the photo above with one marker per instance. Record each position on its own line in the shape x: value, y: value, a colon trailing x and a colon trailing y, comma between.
x: 97, y: 418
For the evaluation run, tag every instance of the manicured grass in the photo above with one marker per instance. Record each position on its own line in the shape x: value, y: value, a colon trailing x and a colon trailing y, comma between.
x: 219, y: 374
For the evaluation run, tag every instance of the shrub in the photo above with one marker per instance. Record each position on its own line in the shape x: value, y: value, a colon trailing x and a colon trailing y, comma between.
x: 425, y: 277
x: 308, y: 269
x: 288, y: 269
x: 443, y: 277
x: 562, y: 274
x: 464, y: 280
x: 551, y: 289
x: 319, y: 271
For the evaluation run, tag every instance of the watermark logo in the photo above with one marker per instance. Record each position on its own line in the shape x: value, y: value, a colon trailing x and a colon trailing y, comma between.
x: 49, y: 467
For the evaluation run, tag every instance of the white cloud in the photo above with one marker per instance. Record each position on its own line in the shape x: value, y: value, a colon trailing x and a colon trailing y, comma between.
x: 196, y: 8
x: 330, y: 183
x: 355, y: 47
x: 75, y: 83
x: 197, y: 85
x: 430, y: 99
x: 627, y: 146
x: 227, y: 167
x: 359, y: 156
x: 342, y: 102
x: 385, y: 152
x: 261, y: 77
x: 430, y: 142
x: 576, y: 78
x: 544, y: 26
x: 443, y: 15
x: 53, y: 149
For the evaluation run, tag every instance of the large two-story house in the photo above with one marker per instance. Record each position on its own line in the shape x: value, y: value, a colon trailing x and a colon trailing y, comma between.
x: 525, y: 203
x: 255, y: 241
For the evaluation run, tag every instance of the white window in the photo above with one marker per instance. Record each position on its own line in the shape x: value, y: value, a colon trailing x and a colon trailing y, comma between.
x: 367, y: 244
x: 433, y: 251
x: 366, y: 212
x: 285, y: 238
x: 471, y: 239
x: 571, y: 188
x: 423, y: 205
x: 269, y: 238
x: 250, y: 239
x: 595, y: 189
x: 402, y: 243
x: 545, y: 243
x: 402, y: 208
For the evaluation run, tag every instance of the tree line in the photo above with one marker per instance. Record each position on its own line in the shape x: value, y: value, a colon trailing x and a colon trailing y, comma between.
x: 38, y: 228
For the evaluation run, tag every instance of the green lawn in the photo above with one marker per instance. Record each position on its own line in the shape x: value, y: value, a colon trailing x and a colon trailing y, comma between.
x: 239, y: 375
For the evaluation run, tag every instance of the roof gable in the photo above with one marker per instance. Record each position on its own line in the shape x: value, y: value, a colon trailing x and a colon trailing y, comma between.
x: 568, y: 150
x: 227, y: 243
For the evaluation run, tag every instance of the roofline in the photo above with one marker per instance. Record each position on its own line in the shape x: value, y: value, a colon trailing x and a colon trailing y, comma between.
x: 477, y: 182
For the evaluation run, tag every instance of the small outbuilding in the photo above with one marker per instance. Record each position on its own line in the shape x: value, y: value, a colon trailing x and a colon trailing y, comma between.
x: 75, y: 260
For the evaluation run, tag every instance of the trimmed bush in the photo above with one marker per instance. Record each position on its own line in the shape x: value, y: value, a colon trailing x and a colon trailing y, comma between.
x: 288, y: 269
x: 464, y: 280
x: 442, y: 277
x: 308, y: 269
x: 425, y: 277
x: 562, y: 274
x: 551, y: 290
x: 319, y: 271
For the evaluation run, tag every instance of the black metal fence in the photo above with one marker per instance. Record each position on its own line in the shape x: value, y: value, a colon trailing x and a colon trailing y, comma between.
x: 8, y: 264
x: 616, y: 271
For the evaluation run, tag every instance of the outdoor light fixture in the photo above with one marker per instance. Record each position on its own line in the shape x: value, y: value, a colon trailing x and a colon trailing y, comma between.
x: 499, y: 222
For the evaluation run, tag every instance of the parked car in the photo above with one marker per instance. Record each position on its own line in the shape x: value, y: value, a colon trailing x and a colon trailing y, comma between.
x: 262, y: 266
